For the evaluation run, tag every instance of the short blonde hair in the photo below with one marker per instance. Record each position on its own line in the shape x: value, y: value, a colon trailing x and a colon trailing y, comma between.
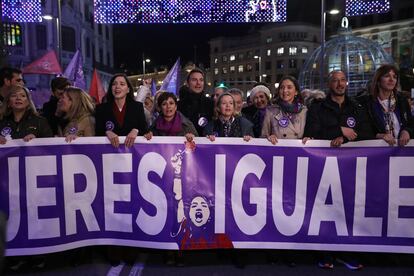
x: 219, y: 100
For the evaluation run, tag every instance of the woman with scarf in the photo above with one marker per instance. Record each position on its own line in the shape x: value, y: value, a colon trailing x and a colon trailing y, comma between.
x: 227, y: 123
x: 172, y: 122
x: 255, y: 113
x: 387, y: 111
x: 19, y: 119
x: 285, y: 120
x: 121, y: 115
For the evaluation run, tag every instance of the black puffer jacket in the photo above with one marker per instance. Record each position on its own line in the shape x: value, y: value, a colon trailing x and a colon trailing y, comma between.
x: 375, y: 118
x: 325, y: 119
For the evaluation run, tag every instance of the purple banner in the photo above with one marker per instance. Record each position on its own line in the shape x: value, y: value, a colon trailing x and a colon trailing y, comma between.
x: 228, y: 193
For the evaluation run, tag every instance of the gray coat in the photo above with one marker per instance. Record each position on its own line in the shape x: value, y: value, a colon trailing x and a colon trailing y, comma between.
x: 276, y: 122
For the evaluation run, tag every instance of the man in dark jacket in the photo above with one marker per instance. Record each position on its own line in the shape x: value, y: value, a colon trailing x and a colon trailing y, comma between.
x: 57, y: 86
x: 193, y: 102
x: 337, y: 117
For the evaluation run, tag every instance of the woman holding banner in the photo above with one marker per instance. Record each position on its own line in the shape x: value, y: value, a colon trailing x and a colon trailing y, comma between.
x: 172, y: 122
x: 226, y: 122
x: 19, y: 118
x: 285, y: 120
x: 78, y: 108
x: 387, y: 111
x: 121, y: 115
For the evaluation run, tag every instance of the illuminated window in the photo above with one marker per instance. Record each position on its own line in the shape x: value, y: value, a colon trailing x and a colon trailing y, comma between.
x: 240, y: 69
x: 269, y: 52
x: 269, y: 39
x: 280, y: 51
x: 215, y: 60
x: 12, y: 34
x: 304, y: 50
x: 216, y: 71
x: 232, y: 69
x: 293, y: 50
x: 224, y: 70
x: 232, y: 57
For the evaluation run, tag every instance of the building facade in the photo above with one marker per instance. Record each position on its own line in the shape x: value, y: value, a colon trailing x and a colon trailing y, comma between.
x: 397, y: 39
x: 26, y: 42
x: 265, y: 56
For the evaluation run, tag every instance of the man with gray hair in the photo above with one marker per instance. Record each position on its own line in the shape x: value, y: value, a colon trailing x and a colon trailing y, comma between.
x: 238, y: 99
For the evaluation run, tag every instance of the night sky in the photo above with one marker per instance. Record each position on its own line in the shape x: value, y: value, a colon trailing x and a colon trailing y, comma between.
x: 163, y: 43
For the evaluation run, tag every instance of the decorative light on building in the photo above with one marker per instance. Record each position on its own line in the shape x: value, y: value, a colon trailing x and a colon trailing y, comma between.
x: 364, y: 7
x: 22, y: 10
x: 197, y: 11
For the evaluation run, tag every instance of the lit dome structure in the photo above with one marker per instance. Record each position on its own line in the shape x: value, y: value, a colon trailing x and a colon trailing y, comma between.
x: 356, y: 56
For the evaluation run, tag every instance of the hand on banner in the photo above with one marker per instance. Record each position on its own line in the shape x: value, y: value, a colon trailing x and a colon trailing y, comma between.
x: 305, y: 139
x: 247, y: 138
x: 28, y: 137
x: 189, y: 137
x: 113, y: 138
x: 212, y: 138
x: 404, y: 138
x: 130, y: 139
x: 272, y: 139
x: 387, y: 137
x: 3, y: 140
x: 337, y: 142
x: 70, y: 137
x: 349, y: 133
x: 148, y: 135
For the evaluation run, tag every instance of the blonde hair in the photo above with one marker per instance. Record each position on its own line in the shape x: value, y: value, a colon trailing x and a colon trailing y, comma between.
x: 82, y: 103
x: 6, y: 110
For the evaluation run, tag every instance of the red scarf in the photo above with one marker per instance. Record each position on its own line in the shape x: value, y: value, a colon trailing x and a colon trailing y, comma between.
x: 119, y: 115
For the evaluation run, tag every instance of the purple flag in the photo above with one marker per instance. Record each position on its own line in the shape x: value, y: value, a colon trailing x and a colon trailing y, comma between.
x: 171, y: 82
x: 153, y: 87
x: 74, y: 71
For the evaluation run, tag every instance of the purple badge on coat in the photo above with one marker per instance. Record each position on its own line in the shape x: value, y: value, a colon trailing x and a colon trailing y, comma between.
x: 109, y: 125
x: 351, y: 122
x: 284, y: 122
x: 6, y: 131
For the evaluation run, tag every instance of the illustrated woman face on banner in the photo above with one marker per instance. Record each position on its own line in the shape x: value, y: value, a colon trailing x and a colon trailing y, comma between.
x: 199, y: 211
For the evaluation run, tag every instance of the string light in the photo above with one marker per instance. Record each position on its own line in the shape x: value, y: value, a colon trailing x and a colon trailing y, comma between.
x: 189, y: 11
x: 365, y: 7
x: 22, y: 10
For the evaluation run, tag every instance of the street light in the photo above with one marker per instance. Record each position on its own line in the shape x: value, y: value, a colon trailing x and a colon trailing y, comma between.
x: 260, y: 67
x: 144, y: 60
x: 58, y: 30
x: 322, y: 54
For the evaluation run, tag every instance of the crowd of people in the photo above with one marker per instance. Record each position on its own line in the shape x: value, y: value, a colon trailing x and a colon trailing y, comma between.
x: 381, y: 112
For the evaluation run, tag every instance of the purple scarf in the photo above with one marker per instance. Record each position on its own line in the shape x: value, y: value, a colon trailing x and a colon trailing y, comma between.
x: 171, y: 128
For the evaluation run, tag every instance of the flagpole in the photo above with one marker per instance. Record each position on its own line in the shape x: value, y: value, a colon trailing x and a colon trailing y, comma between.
x: 59, y: 32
